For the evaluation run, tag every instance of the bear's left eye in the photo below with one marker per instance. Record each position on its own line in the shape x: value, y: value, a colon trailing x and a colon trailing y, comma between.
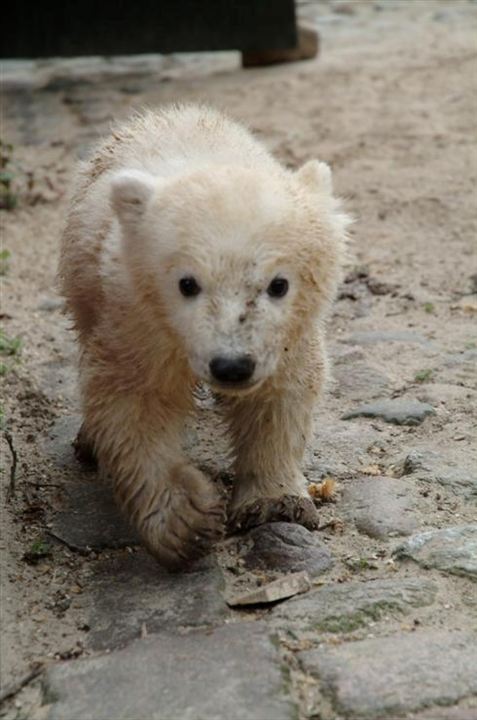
x: 189, y: 286
x: 278, y: 287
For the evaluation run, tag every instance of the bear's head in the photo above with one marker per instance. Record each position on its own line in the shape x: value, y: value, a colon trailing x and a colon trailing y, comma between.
x: 239, y: 264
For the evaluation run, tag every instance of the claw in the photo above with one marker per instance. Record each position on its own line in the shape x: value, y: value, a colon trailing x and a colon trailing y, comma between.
x: 291, y: 508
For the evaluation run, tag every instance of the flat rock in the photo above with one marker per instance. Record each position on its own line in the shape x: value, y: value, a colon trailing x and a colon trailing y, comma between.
x: 287, y: 547
x: 462, y: 358
x: 339, y: 448
x: 452, y: 550
x: 387, y: 677
x: 398, y: 412
x: 133, y: 594
x: 461, y: 367
x: 59, y: 443
x: 348, y: 606
x: 380, y: 506
x: 457, y: 471
x: 371, y: 337
x: 50, y: 304
x: 465, y: 711
x: 233, y: 672
x: 91, y: 520
x: 358, y: 381
x: 447, y: 394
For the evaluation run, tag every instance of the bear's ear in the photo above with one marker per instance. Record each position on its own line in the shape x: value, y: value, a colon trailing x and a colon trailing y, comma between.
x: 316, y: 176
x: 130, y: 192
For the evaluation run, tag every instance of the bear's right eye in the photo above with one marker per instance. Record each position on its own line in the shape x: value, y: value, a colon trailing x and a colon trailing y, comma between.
x: 189, y: 286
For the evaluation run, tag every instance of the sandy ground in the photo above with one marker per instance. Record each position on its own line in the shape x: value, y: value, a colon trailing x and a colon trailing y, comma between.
x: 391, y: 105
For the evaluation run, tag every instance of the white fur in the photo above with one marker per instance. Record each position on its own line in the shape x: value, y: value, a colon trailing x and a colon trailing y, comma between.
x: 179, y: 193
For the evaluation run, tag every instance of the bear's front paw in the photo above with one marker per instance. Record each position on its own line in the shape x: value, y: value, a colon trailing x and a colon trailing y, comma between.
x: 187, y: 521
x: 291, y: 508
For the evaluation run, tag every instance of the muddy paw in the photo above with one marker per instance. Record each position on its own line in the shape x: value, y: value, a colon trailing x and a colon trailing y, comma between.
x: 187, y: 521
x: 291, y: 508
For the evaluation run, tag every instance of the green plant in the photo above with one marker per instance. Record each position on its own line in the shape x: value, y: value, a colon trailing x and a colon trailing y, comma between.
x: 38, y: 550
x: 9, y: 346
x: 423, y: 376
x: 8, y: 197
x: 428, y: 307
x: 4, y: 257
x: 358, y: 564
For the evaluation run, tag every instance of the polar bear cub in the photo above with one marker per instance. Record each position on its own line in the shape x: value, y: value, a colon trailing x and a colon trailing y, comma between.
x: 191, y: 255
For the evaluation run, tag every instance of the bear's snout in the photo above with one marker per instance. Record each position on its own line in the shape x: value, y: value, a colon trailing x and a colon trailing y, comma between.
x: 232, y: 369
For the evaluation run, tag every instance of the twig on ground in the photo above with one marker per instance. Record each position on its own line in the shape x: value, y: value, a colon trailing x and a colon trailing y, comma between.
x: 13, y: 466
x: 15, y: 687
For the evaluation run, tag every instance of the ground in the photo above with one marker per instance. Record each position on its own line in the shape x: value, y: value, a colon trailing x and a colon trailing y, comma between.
x: 91, y: 627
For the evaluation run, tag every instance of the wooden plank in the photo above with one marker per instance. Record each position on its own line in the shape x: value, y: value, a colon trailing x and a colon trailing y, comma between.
x: 48, y: 28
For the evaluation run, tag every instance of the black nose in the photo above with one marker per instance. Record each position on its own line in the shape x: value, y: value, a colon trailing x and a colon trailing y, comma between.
x: 232, y: 369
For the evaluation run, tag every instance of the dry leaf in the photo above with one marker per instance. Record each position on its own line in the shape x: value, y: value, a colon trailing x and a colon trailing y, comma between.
x: 467, y: 306
x: 371, y: 470
x: 325, y: 491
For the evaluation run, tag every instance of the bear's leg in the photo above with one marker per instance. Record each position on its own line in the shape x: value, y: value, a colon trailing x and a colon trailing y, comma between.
x: 84, y: 448
x: 178, y: 512
x: 269, y: 431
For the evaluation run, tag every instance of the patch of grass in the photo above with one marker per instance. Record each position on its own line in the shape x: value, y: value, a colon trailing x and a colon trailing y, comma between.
x: 472, y: 345
x: 429, y: 308
x: 423, y: 376
x: 4, y: 258
x: 38, y: 550
x: 358, y: 618
x: 359, y: 564
x: 8, y: 196
x: 9, y: 346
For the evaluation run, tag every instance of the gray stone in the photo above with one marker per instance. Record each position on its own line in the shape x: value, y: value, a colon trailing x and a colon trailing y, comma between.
x: 394, y: 675
x: 452, y: 550
x: 447, y: 394
x: 358, y: 381
x: 462, y: 367
x: 371, y: 337
x: 59, y: 443
x: 346, y: 607
x: 457, y: 473
x: 341, y: 448
x: 58, y: 379
x: 462, y: 358
x: 233, y: 672
x: 380, y: 506
x: 465, y: 711
x: 287, y: 547
x: 132, y: 593
x: 91, y: 519
x: 50, y: 304
x: 398, y: 412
